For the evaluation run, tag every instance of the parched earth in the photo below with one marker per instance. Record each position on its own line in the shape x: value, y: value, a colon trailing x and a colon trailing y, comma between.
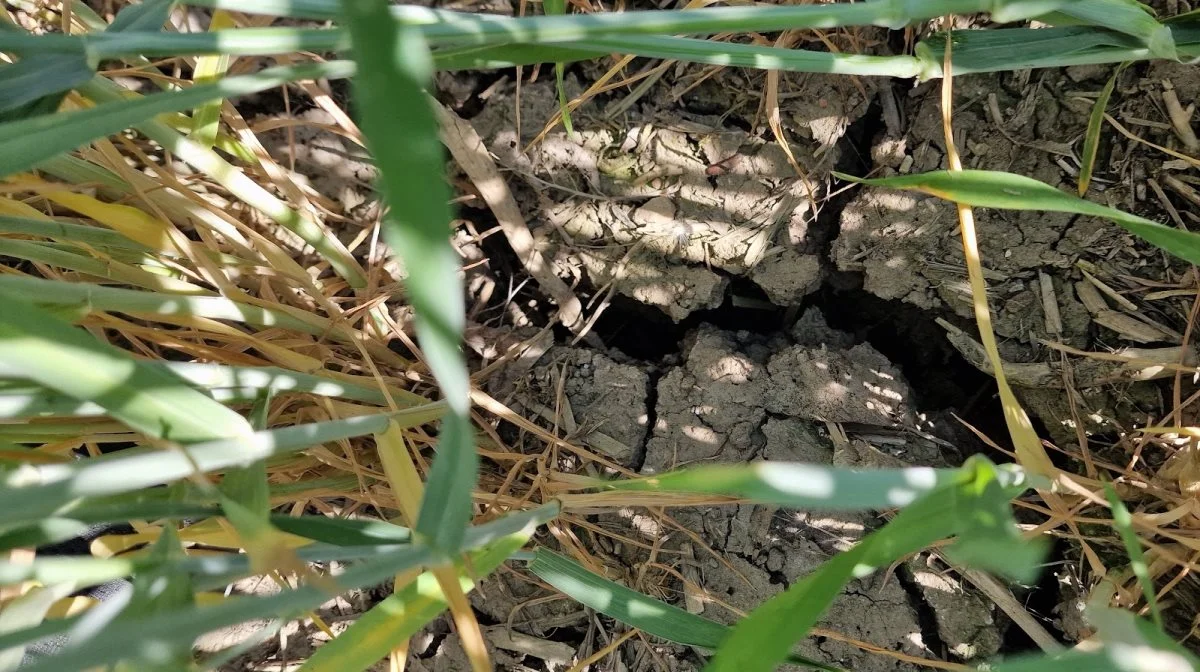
x: 755, y: 308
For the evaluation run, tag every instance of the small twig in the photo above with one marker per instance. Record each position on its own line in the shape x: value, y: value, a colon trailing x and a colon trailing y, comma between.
x: 468, y: 150
x: 1180, y: 119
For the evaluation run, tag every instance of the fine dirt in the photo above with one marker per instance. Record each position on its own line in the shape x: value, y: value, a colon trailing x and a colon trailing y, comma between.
x: 717, y: 268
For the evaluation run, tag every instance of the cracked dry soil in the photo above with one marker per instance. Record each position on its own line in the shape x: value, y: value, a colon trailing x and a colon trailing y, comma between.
x: 755, y: 313
x: 723, y: 272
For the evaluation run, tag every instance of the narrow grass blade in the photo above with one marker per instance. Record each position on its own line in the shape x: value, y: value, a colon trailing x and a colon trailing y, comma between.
x: 559, y: 8
x: 393, y: 68
x: 68, y: 232
x: 991, y: 189
x: 139, y: 44
x: 975, y: 50
x: 29, y: 141
x: 36, y: 491
x: 479, y: 29
x: 628, y: 606
x: 225, y: 384
x: 633, y: 608
x: 54, y: 293
x: 400, y: 616
x: 684, y: 49
x: 1016, y: 48
x: 803, y: 485
x: 1091, y: 138
x: 323, y: 529
x: 109, y: 269
x: 135, y: 640
x: 44, y: 630
x: 1123, y: 16
x: 45, y: 531
x: 140, y: 393
x: 207, y: 117
x: 146, y: 15
x: 1123, y: 521
x: 1105, y: 659
x: 24, y: 85
x: 763, y: 639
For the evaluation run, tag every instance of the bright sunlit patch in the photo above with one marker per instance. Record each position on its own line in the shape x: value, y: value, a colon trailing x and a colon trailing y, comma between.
x: 798, y: 479
x: 1146, y: 659
x: 701, y: 434
x: 902, y: 496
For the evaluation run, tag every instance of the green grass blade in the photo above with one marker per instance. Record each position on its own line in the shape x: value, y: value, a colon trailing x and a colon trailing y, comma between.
x: 40, y: 76
x: 803, y: 485
x: 764, y: 638
x: 559, y: 8
x: 686, y: 49
x: 632, y: 608
x: 1123, y: 521
x: 41, y: 532
x: 1103, y: 660
x: 138, y: 639
x: 45, y: 629
x: 393, y: 68
x: 225, y: 384
x: 108, y: 269
x: 323, y: 529
x: 399, y: 616
x: 216, y: 376
x: 1015, y: 48
x: 30, y: 141
x: 206, y: 119
x: 135, y: 44
x: 1091, y: 138
x: 975, y: 50
x: 478, y: 29
x: 991, y: 189
x: 628, y: 606
x: 146, y: 15
x: 357, y: 541
x: 54, y: 293
x: 140, y: 393
x: 69, y: 232
x: 343, y: 531
x: 1123, y: 16
x: 36, y: 491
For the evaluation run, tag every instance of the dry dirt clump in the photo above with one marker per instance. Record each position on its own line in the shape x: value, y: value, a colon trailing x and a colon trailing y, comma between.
x: 1097, y: 280
x: 907, y: 246
x: 815, y: 396
x: 669, y: 208
x: 602, y: 405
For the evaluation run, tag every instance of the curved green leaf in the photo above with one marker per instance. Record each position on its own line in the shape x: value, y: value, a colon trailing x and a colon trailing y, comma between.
x: 993, y: 189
